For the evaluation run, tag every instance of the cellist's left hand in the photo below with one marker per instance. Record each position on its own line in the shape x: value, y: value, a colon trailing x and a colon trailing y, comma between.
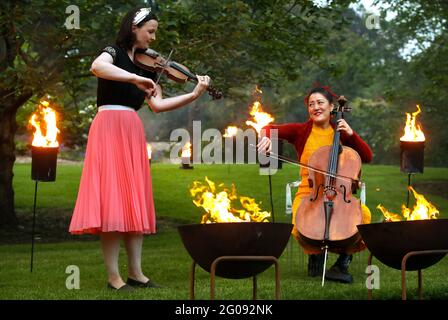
x: 343, y: 126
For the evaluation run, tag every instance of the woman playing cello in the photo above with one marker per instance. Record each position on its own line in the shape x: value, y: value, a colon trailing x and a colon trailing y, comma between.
x: 308, y: 137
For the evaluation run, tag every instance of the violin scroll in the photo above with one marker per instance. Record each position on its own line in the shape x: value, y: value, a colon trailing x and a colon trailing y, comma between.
x: 342, y: 105
x: 216, y: 94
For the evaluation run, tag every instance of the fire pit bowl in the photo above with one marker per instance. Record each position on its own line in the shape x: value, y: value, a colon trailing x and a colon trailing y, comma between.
x: 206, y: 242
x: 389, y: 242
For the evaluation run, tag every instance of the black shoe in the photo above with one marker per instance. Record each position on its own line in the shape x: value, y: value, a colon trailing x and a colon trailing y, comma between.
x: 339, y: 271
x: 123, y: 288
x: 315, y: 264
x: 138, y: 284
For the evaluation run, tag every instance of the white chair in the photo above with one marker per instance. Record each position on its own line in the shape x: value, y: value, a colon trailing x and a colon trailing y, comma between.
x: 295, y: 184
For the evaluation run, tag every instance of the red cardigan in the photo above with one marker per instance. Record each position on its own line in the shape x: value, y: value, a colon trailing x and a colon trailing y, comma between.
x: 297, y: 134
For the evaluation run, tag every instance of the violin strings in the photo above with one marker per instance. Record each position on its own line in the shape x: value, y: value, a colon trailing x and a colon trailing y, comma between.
x: 164, y: 67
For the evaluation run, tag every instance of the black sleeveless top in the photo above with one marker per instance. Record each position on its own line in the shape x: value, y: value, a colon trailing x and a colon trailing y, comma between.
x: 122, y: 93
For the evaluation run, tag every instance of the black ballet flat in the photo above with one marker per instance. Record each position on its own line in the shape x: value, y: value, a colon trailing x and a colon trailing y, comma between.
x: 138, y: 284
x: 123, y: 288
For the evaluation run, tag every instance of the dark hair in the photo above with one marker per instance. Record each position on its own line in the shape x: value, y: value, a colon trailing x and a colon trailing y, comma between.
x: 325, y: 91
x: 126, y: 37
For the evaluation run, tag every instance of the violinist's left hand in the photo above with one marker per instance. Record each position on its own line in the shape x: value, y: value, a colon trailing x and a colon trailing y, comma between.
x: 202, y: 85
x: 343, y: 126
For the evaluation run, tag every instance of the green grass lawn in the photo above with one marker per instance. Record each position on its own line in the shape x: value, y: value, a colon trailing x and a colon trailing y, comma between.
x: 166, y: 261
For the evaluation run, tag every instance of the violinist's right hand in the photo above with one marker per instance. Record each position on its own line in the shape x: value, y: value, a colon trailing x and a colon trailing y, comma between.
x: 203, y: 83
x: 265, y: 145
x: 146, y: 85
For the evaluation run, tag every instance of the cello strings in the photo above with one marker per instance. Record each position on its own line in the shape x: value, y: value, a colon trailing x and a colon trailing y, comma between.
x: 334, y: 155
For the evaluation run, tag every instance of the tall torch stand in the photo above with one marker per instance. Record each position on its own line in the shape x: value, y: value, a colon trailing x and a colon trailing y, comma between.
x: 43, y: 168
x: 277, y: 164
x: 411, y: 160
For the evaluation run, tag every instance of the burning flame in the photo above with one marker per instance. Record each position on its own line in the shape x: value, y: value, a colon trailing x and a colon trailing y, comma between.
x: 412, y: 132
x: 260, y: 118
x: 388, y: 216
x: 51, y: 130
x: 218, y: 204
x: 186, y: 150
x: 230, y: 131
x: 257, y: 90
x: 423, y: 210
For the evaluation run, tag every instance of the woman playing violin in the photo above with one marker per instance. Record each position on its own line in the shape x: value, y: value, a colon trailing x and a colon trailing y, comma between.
x: 115, y: 195
x: 307, y: 137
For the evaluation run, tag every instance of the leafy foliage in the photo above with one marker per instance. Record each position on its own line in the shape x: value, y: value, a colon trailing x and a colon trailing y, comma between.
x: 283, y: 46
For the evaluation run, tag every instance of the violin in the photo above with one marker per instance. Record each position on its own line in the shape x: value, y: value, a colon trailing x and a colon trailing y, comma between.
x: 327, y: 220
x: 152, y: 61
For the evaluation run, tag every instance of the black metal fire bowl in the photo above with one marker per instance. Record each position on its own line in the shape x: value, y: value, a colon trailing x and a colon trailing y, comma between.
x: 389, y: 242
x: 206, y: 242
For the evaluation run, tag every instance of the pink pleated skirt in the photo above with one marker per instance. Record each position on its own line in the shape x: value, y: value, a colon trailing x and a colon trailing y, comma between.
x: 115, y: 192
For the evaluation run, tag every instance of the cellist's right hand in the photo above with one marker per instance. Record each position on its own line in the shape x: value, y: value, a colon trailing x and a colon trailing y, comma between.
x: 265, y: 145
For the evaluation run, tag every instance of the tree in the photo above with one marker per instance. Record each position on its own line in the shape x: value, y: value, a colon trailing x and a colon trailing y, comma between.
x: 422, y: 26
x: 37, y: 54
x: 237, y: 42
x: 369, y: 67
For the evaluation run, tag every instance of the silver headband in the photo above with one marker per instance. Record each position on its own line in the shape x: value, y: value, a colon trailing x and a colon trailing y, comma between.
x: 140, y: 15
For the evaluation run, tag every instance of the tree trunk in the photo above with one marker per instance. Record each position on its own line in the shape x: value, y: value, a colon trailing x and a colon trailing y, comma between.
x: 8, y: 127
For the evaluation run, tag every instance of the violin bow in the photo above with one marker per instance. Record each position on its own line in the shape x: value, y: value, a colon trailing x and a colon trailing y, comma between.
x: 325, y: 247
x: 167, y: 61
x: 296, y: 163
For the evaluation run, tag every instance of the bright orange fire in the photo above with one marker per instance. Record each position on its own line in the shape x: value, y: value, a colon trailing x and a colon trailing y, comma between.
x: 186, y: 150
x: 412, y: 132
x: 217, y: 203
x: 423, y: 210
x: 48, y: 125
x: 230, y: 131
x: 260, y: 118
x: 388, y: 216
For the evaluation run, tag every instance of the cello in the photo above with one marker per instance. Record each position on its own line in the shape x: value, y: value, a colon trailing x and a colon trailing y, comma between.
x: 327, y: 220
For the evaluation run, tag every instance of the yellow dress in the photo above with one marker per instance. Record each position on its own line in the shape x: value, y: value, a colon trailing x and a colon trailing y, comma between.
x: 318, y: 138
